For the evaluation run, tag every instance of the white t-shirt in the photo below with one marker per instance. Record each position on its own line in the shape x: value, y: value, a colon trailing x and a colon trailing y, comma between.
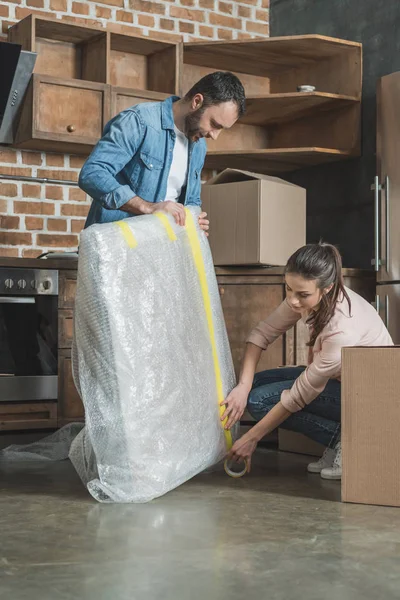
x: 178, y: 173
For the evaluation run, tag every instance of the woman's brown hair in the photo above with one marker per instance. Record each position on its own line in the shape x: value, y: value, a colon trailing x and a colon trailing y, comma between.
x: 323, y: 263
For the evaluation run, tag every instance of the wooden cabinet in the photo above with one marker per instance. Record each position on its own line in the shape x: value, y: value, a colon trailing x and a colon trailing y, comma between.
x: 122, y: 98
x: 63, y: 115
x: 284, y: 129
x: 70, y: 407
x: 16, y: 416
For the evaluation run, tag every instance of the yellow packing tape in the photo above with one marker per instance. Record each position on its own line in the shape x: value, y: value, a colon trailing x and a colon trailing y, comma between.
x: 127, y: 233
x: 199, y: 263
x: 165, y: 221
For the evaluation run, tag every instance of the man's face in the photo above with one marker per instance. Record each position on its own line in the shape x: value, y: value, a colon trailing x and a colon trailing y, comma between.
x: 209, y: 122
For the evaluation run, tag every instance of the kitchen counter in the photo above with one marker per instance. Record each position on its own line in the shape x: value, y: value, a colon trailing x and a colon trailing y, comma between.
x: 72, y: 264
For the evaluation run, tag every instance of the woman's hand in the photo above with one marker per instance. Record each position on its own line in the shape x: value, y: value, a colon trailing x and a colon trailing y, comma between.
x: 204, y: 223
x: 235, y: 405
x: 243, y: 449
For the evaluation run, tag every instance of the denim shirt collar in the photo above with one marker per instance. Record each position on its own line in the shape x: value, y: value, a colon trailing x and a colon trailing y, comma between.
x: 167, y: 116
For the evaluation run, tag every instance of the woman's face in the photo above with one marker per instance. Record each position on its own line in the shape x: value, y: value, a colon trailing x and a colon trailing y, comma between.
x: 302, y: 294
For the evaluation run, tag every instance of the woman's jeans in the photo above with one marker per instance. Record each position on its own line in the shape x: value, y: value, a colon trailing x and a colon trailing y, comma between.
x: 319, y: 420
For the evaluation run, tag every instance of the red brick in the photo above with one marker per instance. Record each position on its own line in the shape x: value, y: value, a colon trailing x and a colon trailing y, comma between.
x: 15, y: 238
x: 167, y: 24
x: 9, y: 252
x: 262, y: 15
x: 262, y: 28
x: 77, y: 162
x: 243, y: 36
x: 77, y: 225
x: 35, y: 3
x: 225, y: 7
x: 55, y: 160
x: 33, y: 208
x: 206, y: 31
x: 224, y: 21
x: 75, y: 210
x: 187, y: 14
x: 58, y: 5
x: 57, y: 241
x: 125, y: 29
x: 7, y: 156
x: 31, y: 158
x: 56, y: 174
x: 119, y: 3
x: 146, y: 21
x: 21, y: 12
x: 3, y: 207
x: 7, y: 222
x: 253, y: 2
x: 57, y: 224
x: 76, y: 195
x: 225, y: 34
x: 34, y: 223
x: 147, y: 6
x: 123, y: 15
x: 103, y: 13
x: 79, y: 8
x: 265, y: 3
x: 31, y: 191
x: 32, y: 252
x: 208, y: 4
x: 54, y: 192
x: 8, y: 189
x: 16, y: 171
x: 185, y: 27
x: 244, y: 12
x: 187, y: 2
x: 4, y: 10
x: 82, y: 21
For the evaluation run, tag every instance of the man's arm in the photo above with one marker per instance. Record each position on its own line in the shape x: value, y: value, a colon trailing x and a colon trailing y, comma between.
x: 121, y: 139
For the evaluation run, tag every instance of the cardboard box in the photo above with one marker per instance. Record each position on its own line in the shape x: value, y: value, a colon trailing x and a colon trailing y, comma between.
x: 291, y: 441
x: 371, y: 425
x: 254, y: 219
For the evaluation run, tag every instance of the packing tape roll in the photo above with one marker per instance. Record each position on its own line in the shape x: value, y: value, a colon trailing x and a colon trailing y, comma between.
x: 235, y: 474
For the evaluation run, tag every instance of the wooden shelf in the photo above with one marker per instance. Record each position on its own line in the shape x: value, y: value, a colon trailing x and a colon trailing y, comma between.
x: 273, y: 161
x: 278, y: 108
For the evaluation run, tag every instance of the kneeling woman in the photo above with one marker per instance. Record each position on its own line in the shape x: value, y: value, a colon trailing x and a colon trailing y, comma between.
x: 305, y: 399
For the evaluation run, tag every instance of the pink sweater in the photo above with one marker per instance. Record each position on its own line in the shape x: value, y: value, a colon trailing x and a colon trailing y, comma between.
x: 363, y: 327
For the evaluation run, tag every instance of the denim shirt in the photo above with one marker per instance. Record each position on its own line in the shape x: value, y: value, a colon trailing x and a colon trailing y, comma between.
x: 133, y: 158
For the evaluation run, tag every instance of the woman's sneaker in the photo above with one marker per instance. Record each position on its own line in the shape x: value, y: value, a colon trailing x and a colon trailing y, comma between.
x: 324, y: 462
x: 334, y: 472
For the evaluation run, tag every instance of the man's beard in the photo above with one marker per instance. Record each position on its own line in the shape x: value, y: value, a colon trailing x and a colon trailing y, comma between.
x: 192, y: 122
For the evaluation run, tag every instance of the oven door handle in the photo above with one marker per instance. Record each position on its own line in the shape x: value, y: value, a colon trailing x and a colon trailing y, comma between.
x: 17, y: 300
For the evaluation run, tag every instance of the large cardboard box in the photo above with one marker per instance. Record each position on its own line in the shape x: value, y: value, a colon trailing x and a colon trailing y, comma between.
x: 254, y: 219
x: 291, y: 441
x: 371, y: 425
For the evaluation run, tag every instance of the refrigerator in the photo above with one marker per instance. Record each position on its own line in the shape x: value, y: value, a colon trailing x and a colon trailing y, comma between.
x: 386, y: 188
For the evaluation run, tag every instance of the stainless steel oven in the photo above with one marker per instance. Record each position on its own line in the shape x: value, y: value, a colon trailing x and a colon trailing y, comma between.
x: 28, y: 334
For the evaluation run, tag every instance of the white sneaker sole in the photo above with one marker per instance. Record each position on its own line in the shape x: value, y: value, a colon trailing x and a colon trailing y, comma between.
x: 331, y: 477
x: 315, y: 470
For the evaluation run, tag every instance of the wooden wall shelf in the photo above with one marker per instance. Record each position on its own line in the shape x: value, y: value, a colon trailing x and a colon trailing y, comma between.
x: 283, y: 129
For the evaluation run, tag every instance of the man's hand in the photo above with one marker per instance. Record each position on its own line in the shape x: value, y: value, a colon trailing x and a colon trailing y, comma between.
x: 204, y: 223
x: 175, y: 209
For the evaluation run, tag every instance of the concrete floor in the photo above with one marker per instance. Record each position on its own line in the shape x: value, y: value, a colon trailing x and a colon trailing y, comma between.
x: 278, y: 534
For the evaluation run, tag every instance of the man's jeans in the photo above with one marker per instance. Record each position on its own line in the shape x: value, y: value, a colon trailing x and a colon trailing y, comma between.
x: 319, y: 421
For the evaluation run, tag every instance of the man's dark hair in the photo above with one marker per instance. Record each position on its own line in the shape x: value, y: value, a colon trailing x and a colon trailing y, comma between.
x: 219, y: 87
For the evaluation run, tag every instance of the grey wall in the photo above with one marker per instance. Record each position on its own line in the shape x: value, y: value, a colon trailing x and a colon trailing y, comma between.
x: 340, y: 203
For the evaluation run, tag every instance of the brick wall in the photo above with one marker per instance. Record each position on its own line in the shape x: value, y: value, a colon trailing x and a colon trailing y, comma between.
x: 35, y: 218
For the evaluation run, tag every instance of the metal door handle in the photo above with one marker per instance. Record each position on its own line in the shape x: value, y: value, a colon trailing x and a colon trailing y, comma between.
x: 17, y: 300
x: 376, y: 187
x: 377, y: 303
x: 387, y: 195
x: 387, y: 311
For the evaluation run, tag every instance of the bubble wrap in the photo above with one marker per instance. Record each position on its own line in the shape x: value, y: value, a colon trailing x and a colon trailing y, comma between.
x: 143, y: 362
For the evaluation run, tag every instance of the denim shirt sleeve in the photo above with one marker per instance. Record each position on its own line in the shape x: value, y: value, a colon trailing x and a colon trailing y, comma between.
x: 121, y: 139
